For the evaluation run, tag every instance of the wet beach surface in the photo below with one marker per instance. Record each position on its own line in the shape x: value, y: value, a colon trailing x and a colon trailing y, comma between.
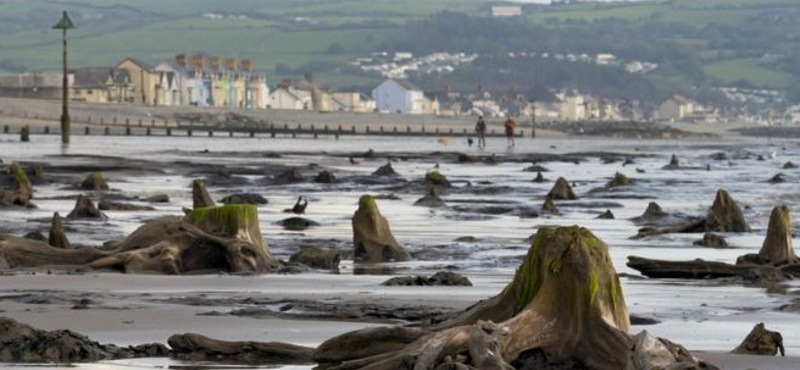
x: 492, y: 200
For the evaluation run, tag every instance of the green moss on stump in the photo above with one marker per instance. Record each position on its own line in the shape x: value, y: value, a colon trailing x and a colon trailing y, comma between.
x: 229, y: 220
x: 436, y: 178
x: 21, y: 178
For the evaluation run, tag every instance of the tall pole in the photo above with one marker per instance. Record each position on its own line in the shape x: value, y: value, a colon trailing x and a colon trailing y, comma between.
x: 65, y: 124
x: 64, y: 24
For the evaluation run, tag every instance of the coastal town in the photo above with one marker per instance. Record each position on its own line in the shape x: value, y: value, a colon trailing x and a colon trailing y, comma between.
x: 214, y: 81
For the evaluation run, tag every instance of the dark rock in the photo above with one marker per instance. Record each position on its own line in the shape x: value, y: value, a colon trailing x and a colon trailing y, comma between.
x: 431, y: 199
x: 607, y: 215
x: 385, y: 170
x: 325, y: 177
x: 777, y: 179
x: 94, y: 181
x: 244, y: 198
x: 789, y: 165
x: 466, y: 239
x: 297, y: 223
x: 86, y: 210
x: 653, y: 211
x: 441, y: 278
x: 107, y: 205
x: 35, y: 235
x: 536, y: 168
x: 23, y: 343
x: 292, y: 175
x: 720, y: 156
x: 157, y: 198
x: 712, y: 240
x: 317, y: 258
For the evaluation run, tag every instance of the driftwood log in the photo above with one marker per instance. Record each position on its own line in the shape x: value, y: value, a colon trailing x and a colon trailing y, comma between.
x: 195, y: 347
x: 775, y: 261
x: 207, y: 240
x: 565, y: 305
x: 724, y: 216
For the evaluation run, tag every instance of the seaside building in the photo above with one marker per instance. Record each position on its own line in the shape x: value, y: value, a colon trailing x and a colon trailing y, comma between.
x: 398, y: 96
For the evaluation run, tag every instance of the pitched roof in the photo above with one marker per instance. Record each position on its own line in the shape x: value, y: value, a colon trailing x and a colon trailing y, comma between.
x: 405, y: 84
x: 681, y: 100
x: 91, y: 77
x: 137, y: 62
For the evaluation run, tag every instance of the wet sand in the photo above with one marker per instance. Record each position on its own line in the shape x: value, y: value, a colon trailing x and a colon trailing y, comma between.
x: 708, y: 316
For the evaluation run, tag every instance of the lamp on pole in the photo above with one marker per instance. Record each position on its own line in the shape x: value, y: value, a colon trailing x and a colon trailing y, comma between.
x: 64, y: 24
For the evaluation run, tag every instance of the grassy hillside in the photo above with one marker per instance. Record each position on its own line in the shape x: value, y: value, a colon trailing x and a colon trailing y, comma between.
x: 697, y: 43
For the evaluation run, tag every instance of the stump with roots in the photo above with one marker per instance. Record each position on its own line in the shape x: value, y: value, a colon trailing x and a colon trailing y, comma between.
x: 200, y: 196
x: 20, y: 192
x: 372, y: 238
x: 207, y: 240
x: 775, y: 261
x: 57, y: 237
x: 564, y: 302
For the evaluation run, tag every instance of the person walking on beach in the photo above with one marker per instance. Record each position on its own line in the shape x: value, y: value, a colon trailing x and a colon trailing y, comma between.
x: 510, y: 125
x: 480, y: 129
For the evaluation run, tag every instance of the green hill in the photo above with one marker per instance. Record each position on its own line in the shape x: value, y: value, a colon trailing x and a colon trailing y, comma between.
x: 697, y: 44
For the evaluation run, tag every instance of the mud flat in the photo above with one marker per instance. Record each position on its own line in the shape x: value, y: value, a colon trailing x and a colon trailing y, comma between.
x: 480, y: 232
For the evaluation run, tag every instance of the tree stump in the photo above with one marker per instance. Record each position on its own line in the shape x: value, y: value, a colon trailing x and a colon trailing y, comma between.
x: 94, y: 181
x: 86, y: 210
x: 761, y: 341
x: 725, y: 215
x: 561, y: 190
x: 200, y: 196
x: 20, y: 192
x: 372, y: 238
x: 58, y: 238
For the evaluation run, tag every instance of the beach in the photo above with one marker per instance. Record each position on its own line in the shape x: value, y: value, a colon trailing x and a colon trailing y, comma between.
x: 710, y: 317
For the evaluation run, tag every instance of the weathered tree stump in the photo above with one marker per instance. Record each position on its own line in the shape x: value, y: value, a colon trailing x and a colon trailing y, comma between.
x: 385, y: 170
x: 325, y: 177
x: 317, y: 258
x: 539, y: 177
x: 58, y: 238
x: 607, y: 215
x: 550, y: 206
x: 431, y: 199
x: 775, y: 261
x: 200, y: 196
x: 94, y: 181
x: 436, y: 178
x: 619, y: 180
x: 20, y: 191
x: 761, y: 341
x: 561, y: 190
x: 725, y: 215
x: 372, y: 238
x: 565, y: 301
x: 86, y: 210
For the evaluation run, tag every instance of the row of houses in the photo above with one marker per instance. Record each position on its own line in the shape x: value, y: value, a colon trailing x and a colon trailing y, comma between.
x: 196, y: 80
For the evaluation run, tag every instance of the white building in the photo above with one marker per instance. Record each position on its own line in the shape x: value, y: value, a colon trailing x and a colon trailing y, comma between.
x: 506, y: 11
x: 398, y: 96
x: 290, y: 98
x: 676, y: 108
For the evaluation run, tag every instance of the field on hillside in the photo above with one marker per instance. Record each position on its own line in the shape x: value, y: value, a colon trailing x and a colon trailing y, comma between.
x: 722, y: 40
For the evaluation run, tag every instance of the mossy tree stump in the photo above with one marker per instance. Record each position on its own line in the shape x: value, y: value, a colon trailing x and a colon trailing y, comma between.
x: 21, y: 193
x: 725, y: 215
x: 207, y: 240
x: 372, y: 238
x: 565, y: 299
